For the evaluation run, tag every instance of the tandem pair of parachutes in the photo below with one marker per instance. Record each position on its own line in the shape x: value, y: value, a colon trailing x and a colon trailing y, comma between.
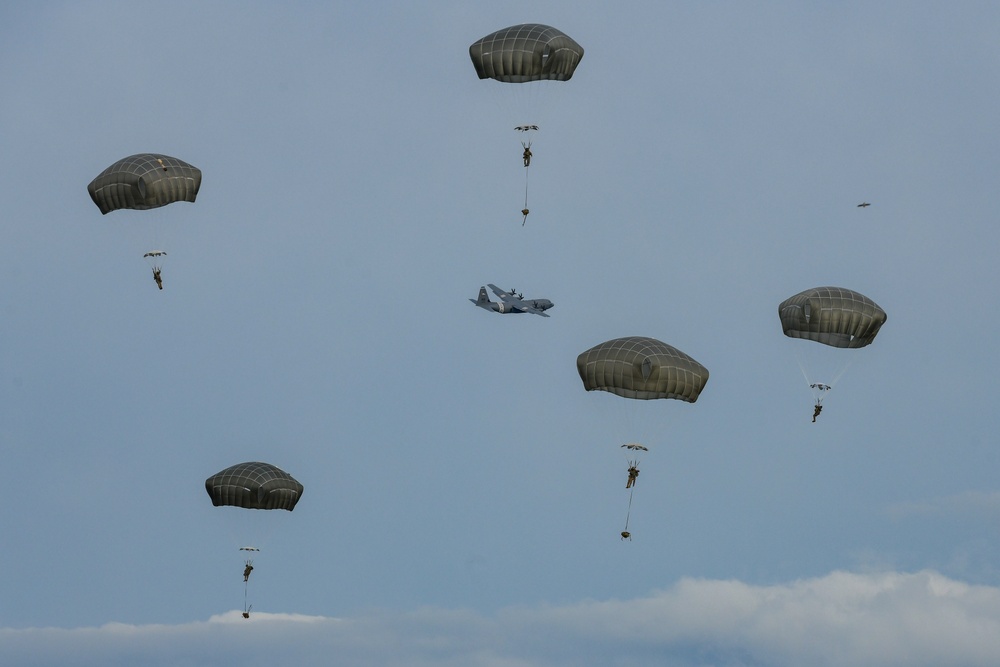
x: 143, y: 182
x: 642, y: 368
x: 253, y: 486
x: 522, y: 54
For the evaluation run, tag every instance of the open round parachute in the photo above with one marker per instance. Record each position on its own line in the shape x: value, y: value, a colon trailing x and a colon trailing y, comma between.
x: 641, y: 368
x: 526, y: 52
x: 254, y: 485
x: 638, y: 367
x: 833, y: 316
x: 144, y: 181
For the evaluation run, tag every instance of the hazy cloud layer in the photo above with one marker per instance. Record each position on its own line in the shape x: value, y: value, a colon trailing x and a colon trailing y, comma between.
x: 970, y: 503
x: 842, y: 618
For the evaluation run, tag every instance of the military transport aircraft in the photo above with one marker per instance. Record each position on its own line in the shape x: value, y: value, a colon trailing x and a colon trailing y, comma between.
x: 511, y: 302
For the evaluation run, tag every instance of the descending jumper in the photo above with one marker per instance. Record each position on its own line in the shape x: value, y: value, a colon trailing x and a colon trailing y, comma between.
x: 528, y: 54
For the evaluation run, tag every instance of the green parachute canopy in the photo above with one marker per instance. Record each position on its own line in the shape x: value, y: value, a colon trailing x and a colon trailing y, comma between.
x: 526, y: 52
x: 255, y: 486
x: 144, y: 181
x: 641, y: 368
x: 833, y: 316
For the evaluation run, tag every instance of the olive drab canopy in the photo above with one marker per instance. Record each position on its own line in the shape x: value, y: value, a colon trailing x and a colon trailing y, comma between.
x: 833, y: 316
x: 254, y: 485
x: 526, y: 52
x: 144, y: 181
x: 642, y: 368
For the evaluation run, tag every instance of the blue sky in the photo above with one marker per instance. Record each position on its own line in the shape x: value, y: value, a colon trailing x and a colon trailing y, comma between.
x: 463, y: 493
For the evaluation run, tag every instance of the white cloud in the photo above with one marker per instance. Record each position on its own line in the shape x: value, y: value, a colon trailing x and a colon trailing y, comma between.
x: 842, y: 618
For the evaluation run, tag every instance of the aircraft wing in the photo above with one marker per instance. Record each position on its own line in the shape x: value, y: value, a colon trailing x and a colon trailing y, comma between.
x: 523, y: 305
x: 506, y: 297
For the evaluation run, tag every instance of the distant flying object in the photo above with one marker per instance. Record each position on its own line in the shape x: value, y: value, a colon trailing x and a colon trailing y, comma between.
x: 525, y: 128
x: 863, y: 204
x: 511, y: 302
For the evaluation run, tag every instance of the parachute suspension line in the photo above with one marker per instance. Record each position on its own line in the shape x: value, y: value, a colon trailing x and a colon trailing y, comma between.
x: 526, y: 187
x: 802, y: 367
x: 818, y: 389
x: 525, y: 194
x: 829, y: 385
x: 833, y: 382
x: 157, y: 241
x: 629, y: 512
x: 527, y: 164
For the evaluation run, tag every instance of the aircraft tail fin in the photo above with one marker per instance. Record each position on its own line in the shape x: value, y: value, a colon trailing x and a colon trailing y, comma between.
x: 483, y: 296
